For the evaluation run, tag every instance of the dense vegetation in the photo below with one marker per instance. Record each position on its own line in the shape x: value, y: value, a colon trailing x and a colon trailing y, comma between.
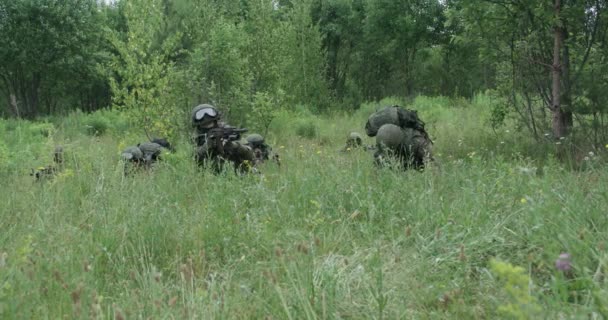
x: 326, y: 235
x: 155, y: 59
x: 511, y: 91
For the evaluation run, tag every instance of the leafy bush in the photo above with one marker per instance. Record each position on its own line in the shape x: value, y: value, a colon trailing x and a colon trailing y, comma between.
x: 263, y: 111
x: 306, y: 128
x: 96, y: 125
x: 44, y: 129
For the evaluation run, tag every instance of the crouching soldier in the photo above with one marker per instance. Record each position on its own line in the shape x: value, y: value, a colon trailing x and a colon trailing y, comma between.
x: 261, y: 150
x: 400, y: 134
x: 217, y: 142
x: 145, y: 154
x: 353, y: 141
x: 51, y: 170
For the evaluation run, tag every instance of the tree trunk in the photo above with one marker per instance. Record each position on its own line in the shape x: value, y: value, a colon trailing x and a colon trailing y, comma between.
x: 14, y: 105
x: 559, y: 119
x: 34, y: 95
x: 567, y: 83
x: 11, y: 98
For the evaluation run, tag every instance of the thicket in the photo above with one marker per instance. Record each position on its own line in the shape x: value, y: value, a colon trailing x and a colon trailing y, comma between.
x: 156, y: 59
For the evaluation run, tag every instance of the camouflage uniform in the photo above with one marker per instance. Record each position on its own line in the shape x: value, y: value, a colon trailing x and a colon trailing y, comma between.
x: 217, y: 142
x: 261, y: 150
x: 49, y: 171
x: 144, y: 154
x: 354, y: 140
x: 399, y: 134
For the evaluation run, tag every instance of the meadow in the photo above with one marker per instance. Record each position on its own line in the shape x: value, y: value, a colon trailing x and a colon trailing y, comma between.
x: 324, y: 236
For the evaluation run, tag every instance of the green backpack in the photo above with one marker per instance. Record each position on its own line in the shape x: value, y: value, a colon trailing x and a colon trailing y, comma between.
x: 396, y: 115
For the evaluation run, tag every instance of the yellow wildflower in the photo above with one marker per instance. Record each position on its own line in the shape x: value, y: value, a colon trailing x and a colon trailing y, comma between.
x: 523, y: 200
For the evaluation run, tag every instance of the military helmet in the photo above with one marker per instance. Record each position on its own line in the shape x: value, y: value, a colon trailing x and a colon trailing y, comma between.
x: 354, y: 139
x: 204, y: 115
x: 255, y: 139
x: 391, y: 136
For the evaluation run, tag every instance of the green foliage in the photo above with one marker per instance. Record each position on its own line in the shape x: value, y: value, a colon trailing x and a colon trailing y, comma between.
x: 220, y: 69
x: 324, y: 235
x: 44, y: 129
x: 142, y: 68
x: 264, y: 110
x: 5, y: 160
x: 522, y: 304
x: 265, y: 45
x: 306, y: 128
x: 48, y: 52
x: 96, y: 125
x: 306, y: 61
x: 520, y: 59
x: 498, y: 116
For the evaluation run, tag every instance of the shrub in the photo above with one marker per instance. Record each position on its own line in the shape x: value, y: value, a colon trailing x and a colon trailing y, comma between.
x: 306, y: 128
x: 263, y: 110
x: 96, y: 125
x: 44, y: 129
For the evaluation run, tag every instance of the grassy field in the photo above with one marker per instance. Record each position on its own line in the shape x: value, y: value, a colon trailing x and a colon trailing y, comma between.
x: 325, y: 236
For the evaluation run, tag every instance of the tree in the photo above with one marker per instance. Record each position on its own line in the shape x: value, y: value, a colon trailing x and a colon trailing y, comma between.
x: 394, y: 32
x: 305, y: 65
x: 542, y: 52
x: 44, y: 46
x: 142, y: 67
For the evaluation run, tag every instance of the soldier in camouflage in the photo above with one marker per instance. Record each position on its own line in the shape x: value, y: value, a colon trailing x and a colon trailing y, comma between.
x: 354, y: 141
x: 400, y: 134
x: 261, y: 150
x: 144, y: 154
x: 49, y: 171
x: 217, y: 142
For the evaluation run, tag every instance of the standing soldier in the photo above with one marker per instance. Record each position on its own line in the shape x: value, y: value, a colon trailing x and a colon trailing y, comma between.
x: 217, y: 142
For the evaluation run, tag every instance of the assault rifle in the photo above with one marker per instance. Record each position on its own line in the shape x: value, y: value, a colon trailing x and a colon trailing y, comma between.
x: 226, y: 133
x: 219, y: 134
x: 221, y: 146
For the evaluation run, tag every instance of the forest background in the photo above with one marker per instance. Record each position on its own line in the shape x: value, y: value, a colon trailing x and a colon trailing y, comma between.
x: 508, y: 223
x: 543, y: 62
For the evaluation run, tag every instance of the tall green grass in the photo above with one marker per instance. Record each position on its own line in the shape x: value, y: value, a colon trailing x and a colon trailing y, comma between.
x: 325, y: 235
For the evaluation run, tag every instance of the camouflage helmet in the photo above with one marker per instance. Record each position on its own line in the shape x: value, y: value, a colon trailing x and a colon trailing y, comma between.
x: 255, y: 139
x: 390, y: 136
x: 354, y: 139
x: 204, y: 115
